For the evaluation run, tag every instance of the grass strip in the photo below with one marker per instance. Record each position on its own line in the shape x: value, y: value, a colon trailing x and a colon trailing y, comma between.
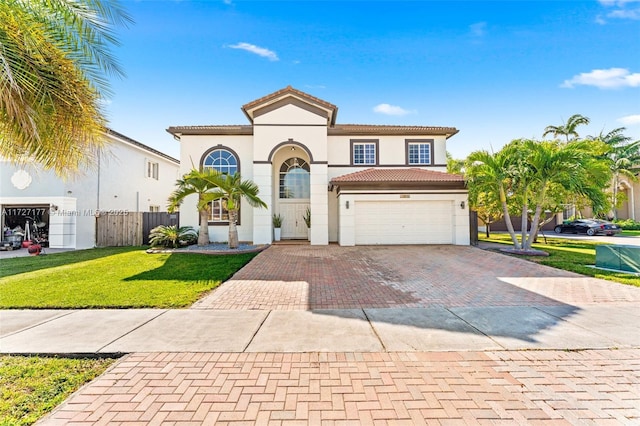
x: 33, y: 386
x: 113, y: 278
x: 570, y: 255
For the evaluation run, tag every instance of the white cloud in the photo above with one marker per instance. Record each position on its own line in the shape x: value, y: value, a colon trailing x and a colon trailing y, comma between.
x: 478, y: 29
x: 630, y: 120
x: 391, y: 110
x: 633, y: 14
x: 260, y: 51
x: 618, y: 3
x: 612, y: 78
x: 620, y: 9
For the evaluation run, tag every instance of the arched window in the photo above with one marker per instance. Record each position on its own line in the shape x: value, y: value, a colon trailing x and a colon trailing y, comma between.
x: 225, y: 161
x: 294, y: 179
x: 221, y: 160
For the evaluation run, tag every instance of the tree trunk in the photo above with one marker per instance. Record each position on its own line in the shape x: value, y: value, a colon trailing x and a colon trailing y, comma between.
x: 614, y: 207
x: 233, y: 229
x: 534, y: 227
x: 507, y: 219
x: 203, y: 235
x: 487, y: 229
x: 524, y: 219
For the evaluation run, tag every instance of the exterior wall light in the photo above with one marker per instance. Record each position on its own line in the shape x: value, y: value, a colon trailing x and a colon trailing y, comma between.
x: 462, y: 205
x: 347, y: 204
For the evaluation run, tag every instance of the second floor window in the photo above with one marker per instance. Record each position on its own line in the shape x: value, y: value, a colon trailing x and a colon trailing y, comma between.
x: 221, y: 160
x: 419, y: 153
x: 153, y: 170
x: 364, y: 153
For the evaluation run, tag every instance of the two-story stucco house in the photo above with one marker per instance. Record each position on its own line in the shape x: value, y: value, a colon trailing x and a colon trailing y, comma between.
x: 363, y: 184
x: 128, y: 177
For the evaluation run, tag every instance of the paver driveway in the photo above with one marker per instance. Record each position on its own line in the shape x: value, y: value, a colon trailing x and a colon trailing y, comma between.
x: 399, y: 386
x: 332, y: 277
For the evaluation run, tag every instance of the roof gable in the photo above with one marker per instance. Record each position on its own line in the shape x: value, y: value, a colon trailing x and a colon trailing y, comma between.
x: 287, y: 96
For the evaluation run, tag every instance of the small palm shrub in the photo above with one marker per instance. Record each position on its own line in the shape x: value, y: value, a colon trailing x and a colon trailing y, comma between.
x: 172, y: 236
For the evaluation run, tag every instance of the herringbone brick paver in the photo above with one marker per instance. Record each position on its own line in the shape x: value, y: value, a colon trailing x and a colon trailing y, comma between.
x: 332, y: 277
x: 533, y: 387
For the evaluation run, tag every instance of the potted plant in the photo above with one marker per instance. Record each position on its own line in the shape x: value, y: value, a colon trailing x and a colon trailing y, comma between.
x: 277, y: 225
x: 307, y: 220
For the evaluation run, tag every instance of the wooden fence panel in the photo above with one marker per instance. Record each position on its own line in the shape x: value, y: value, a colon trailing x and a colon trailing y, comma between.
x: 152, y: 219
x: 121, y: 228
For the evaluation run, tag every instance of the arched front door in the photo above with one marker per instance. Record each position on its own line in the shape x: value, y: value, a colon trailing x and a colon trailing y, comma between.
x: 293, y: 197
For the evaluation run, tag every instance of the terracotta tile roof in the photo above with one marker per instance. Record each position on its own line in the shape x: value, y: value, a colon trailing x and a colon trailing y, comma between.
x: 398, y: 175
x: 288, y: 89
x: 357, y: 129
x: 232, y: 129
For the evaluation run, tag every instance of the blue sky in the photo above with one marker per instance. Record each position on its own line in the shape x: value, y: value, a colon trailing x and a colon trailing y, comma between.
x: 497, y: 71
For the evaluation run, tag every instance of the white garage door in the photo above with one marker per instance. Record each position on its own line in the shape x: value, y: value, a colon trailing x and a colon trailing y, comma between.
x: 404, y: 222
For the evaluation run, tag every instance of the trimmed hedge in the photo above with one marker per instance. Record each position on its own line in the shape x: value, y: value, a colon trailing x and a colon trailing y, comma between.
x: 628, y: 224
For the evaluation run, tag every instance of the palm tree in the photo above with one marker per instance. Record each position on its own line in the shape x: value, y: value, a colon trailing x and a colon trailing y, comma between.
x: 623, y: 159
x: 199, y: 183
x: 492, y: 172
x: 615, y: 137
x: 574, y: 166
x: 54, y: 60
x: 231, y: 189
x: 568, y: 129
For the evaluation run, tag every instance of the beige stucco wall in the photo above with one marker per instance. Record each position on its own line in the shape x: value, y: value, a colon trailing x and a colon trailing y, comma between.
x: 192, y: 148
x: 392, y: 151
x: 272, y: 144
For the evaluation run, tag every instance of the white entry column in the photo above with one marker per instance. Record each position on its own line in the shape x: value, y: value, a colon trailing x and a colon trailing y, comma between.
x: 319, y: 204
x: 262, y: 226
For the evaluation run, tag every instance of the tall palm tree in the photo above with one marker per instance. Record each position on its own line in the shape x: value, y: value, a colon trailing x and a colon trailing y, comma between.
x: 198, y: 183
x: 575, y: 166
x: 231, y: 189
x: 492, y: 172
x: 615, y: 137
x: 568, y: 129
x: 54, y: 62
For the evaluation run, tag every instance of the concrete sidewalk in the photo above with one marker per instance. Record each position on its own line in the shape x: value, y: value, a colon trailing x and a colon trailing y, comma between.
x: 332, y: 330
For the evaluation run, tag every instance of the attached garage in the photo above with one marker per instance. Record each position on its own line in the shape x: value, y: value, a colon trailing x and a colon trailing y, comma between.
x: 403, y: 222
x: 402, y: 206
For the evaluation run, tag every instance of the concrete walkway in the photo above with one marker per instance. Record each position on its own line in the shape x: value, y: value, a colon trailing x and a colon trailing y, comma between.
x: 376, y: 335
x: 339, y: 330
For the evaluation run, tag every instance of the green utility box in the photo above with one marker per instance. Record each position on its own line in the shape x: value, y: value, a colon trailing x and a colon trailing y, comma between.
x: 621, y: 258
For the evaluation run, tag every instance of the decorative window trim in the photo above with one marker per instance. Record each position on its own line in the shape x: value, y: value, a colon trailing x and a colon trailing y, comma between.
x: 409, y: 142
x: 354, y: 142
x: 204, y: 156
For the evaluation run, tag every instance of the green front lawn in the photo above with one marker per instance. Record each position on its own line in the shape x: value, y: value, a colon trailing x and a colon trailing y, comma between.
x: 122, y: 277
x: 33, y: 386
x: 570, y: 255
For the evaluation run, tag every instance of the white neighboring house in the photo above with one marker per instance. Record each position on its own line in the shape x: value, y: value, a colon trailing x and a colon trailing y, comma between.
x: 129, y: 177
x: 364, y: 184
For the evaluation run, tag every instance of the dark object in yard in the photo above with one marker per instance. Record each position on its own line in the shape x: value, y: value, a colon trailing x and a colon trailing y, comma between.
x: 34, y: 249
x: 588, y: 226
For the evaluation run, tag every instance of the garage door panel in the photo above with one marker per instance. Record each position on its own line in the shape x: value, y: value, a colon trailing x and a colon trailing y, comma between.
x: 404, y: 222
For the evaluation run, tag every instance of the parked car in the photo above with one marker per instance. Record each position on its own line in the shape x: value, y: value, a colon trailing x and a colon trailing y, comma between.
x: 589, y: 227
